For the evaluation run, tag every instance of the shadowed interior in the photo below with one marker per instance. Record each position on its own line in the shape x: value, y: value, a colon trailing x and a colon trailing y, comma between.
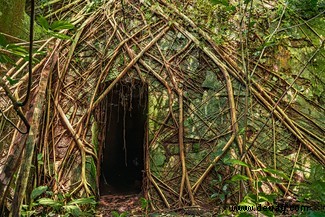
x: 123, y: 155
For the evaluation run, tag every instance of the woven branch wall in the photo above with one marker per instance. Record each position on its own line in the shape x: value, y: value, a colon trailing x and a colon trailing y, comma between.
x: 198, y: 108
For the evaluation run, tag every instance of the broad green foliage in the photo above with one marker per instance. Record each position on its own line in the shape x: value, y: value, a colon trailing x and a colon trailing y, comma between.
x: 43, y: 204
x: 38, y: 191
x: 307, y: 8
x: 12, y: 51
x: 54, y: 28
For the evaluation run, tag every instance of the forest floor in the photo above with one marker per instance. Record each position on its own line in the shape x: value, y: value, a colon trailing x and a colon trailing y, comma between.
x: 130, y: 205
x: 123, y: 205
x: 119, y: 204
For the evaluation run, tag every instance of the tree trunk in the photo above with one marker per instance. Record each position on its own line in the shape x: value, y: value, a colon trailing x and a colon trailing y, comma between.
x: 12, y: 17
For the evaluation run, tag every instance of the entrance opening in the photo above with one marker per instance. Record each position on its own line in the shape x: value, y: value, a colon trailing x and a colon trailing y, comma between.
x: 122, y: 163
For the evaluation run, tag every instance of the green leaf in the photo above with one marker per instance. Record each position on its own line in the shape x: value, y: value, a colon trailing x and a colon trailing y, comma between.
x: 17, y: 50
x: 230, y: 8
x: 59, y: 35
x: 196, y: 147
x: 244, y: 214
x: 220, y: 2
x: 250, y: 199
x: 81, y: 201
x: 214, y: 195
x: 159, y: 158
x: 43, y: 22
x: 242, y: 131
x: 239, y: 177
x: 28, y: 213
x: 267, y: 197
x: 5, y: 59
x: 246, y: 204
x: 38, y: 191
x: 222, y: 197
x: 40, y: 157
x: 3, y: 41
x: 73, y: 210
x: 60, y: 25
x: 144, y: 203
x: 60, y: 196
x: 115, y: 214
x: 124, y: 214
x: 272, y: 179
x: 49, y: 202
x: 276, y: 172
x: 316, y: 213
x: 12, y: 81
x: 236, y: 162
x: 225, y: 188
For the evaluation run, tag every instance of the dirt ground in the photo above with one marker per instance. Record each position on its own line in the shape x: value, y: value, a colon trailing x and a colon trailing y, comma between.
x: 130, y: 205
x: 125, y: 205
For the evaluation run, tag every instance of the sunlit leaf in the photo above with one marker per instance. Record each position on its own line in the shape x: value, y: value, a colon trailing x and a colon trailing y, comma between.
x: 17, y: 50
x: 49, y: 202
x: 61, y: 24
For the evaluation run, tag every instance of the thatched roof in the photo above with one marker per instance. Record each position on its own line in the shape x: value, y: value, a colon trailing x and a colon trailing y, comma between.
x: 200, y: 103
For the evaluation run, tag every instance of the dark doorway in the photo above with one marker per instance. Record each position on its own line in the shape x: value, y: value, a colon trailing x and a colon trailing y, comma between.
x: 122, y: 163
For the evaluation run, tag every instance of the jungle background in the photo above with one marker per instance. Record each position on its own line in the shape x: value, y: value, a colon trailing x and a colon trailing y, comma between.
x: 276, y: 153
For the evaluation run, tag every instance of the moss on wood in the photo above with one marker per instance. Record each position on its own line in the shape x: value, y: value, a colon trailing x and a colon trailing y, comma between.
x: 12, y: 16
